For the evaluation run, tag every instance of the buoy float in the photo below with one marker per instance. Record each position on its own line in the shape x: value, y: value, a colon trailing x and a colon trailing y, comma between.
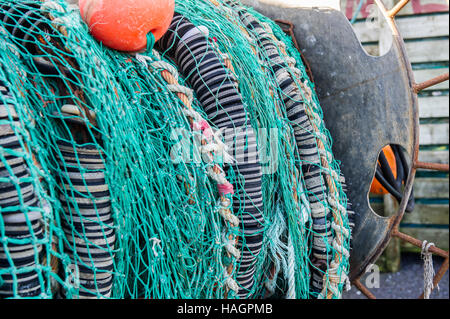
x: 376, y: 187
x: 124, y: 24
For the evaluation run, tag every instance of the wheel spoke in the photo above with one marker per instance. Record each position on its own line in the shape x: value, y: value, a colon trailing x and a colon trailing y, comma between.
x: 432, y: 166
x: 396, y: 9
x: 439, y: 79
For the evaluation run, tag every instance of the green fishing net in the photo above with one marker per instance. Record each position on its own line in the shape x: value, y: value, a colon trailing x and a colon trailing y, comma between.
x: 97, y: 198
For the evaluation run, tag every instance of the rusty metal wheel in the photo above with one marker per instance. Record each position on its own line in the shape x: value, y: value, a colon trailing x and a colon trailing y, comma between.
x: 368, y: 102
x: 389, y: 15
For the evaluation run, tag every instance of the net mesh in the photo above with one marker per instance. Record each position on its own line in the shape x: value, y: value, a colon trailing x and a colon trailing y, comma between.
x: 128, y: 175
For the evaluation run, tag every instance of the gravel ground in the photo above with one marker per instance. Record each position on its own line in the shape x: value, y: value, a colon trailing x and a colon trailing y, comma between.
x: 406, y: 283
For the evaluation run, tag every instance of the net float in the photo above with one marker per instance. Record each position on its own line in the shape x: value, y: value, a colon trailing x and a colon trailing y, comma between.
x: 123, y: 25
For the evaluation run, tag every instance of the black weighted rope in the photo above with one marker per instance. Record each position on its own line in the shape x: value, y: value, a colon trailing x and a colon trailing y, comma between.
x: 386, y: 178
x: 306, y: 143
x: 219, y: 96
x: 23, y: 195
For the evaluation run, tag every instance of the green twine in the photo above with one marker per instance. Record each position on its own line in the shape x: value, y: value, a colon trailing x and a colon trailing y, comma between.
x: 169, y: 235
x: 150, y: 42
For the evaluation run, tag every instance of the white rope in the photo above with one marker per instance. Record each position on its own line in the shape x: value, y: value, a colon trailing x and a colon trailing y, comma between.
x: 340, y: 248
x: 230, y: 282
x: 428, y: 270
x: 193, y: 114
x: 73, y: 276
x: 230, y: 247
x: 163, y: 65
x: 340, y: 229
x: 291, y: 270
x: 223, y: 148
x: 218, y: 177
x: 177, y: 88
x: 226, y: 213
x: 155, y: 241
x: 270, y: 286
x: 335, y: 204
x: 12, y: 47
x: 61, y: 23
x: 333, y: 280
x: 229, y: 217
x: 52, y: 5
x: 322, y: 137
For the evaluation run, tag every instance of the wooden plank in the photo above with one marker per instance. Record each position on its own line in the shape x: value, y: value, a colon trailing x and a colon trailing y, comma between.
x: 348, y: 7
x: 428, y: 74
x: 427, y: 51
x: 428, y: 214
x: 432, y: 134
x: 426, y: 26
x: 389, y: 261
x: 438, y: 236
x: 440, y: 157
x: 428, y: 187
x: 366, y: 32
x: 433, y: 106
x: 420, y: 51
x: 435, y: 214
x: 424, y: 187
x: 371, y: 49
x: 414, y: 27
x: 385, y: 41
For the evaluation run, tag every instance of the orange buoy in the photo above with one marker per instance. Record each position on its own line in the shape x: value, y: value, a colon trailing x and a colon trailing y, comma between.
x: 124, y: 24
x: 376, y: 187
